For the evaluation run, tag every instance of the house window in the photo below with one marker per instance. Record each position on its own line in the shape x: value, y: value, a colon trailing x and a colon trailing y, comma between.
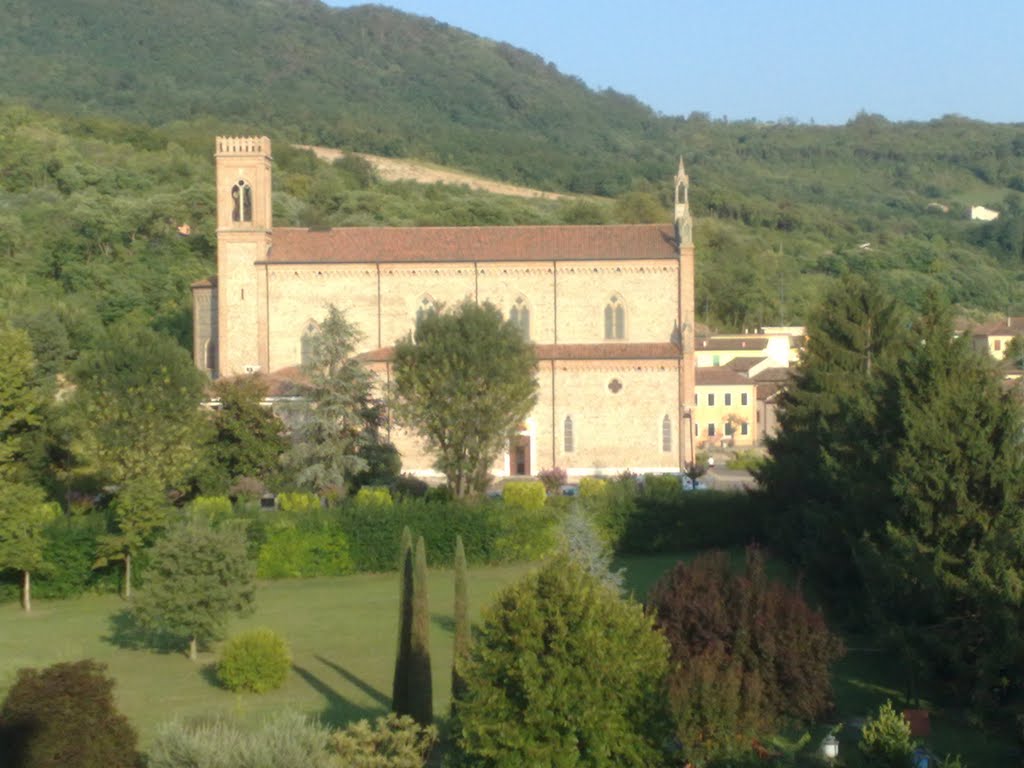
x: 666, y: 434
x: 568, y: 436
x: 241, y: 201
x: 997, y: 344
x: 711, y: 398
x: 696, y: 429
x: 308, y: 344
x: 743, y: 428
x: 519, y: 315
x: 711, y: 430
x: 728, y: 398
x: 614, y: 319
x: 716, y: 360
x: 728, y: 429
x: 743, y: 398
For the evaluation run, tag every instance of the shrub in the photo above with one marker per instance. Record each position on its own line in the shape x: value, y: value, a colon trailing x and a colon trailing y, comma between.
x: 689, y: 521
x: 592, y: 487
x: 886, y: 738
x: 287, y: 740
x: 256, y: 661
x: 610, y: 505
x: 373, y: 496
x: 64, y: 717
x: 290, y: 503
x: 563, y: 672
x: 291, y: 551
x: 552, y: 479
x: 758, y: 635
x: 748, y: 461
x: 527, y: 495
x: 389, y: 742
x: 409, y: 485
x: 213, y: 508
x: 523, y: 534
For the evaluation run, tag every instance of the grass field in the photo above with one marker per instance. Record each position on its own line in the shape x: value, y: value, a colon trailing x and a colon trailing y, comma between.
x: 343, y: 636
x: 342, y: 633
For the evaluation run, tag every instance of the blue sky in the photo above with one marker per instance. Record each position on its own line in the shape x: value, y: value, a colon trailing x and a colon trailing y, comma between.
x: 821, y: 60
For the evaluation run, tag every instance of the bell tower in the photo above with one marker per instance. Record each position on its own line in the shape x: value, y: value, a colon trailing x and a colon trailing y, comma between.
x: 686, y: 320
x: 244, y: 227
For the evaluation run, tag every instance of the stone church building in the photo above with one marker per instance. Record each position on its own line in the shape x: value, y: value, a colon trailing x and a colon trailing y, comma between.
x: 609, y: 308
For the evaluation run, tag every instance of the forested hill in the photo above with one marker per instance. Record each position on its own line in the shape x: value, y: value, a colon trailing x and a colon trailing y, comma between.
x: 367, y: 78
x: 134, y: 92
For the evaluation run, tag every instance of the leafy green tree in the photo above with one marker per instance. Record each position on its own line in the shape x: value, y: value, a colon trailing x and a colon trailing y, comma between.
x: 1014, y: 354
x: 64, y: 716
x: 24, y: 515
x: 137, y: 403
x: 199, y: 576
x: 248, y: 438
x: 337, y: 431
x: 886, y: 740
x: 20, y: 402
x: 464, y: 382
x: 138, y: 426
x: 564, y: 673
x: 421, y: 688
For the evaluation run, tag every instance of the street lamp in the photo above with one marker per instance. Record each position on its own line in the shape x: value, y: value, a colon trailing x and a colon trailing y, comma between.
x: 830, y: 747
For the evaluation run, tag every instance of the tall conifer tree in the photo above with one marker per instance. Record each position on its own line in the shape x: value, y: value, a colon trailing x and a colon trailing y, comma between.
x: 421, y: 689
x: 462, y: 636
x: 400, y: 686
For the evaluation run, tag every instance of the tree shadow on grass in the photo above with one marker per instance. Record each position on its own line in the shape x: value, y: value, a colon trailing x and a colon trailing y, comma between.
x: 358, y: 682
x: 125, y: 632
x: 339, y: 710
x: 440, y: 620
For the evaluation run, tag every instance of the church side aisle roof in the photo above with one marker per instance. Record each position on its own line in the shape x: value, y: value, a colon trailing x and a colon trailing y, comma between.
x: 361, y: 245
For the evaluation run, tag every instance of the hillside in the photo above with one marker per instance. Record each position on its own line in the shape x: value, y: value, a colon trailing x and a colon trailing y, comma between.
x: 133, y: 94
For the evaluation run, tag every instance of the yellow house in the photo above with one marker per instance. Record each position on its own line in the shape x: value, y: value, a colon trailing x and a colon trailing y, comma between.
x: 726, y: 410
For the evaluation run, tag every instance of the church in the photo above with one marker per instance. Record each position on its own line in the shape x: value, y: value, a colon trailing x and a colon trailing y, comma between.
x: 610, y: 309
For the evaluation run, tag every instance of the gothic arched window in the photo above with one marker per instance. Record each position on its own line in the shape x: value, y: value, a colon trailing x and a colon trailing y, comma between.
x: 666, y: 434
x: 568, y: 441
x: 308, y: 343
x: 520, y: 316
x: 614, y: 319
x: 241, y: 201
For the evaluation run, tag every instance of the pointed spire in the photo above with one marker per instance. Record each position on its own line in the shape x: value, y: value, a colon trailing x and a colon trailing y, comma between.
x: 682, y: 220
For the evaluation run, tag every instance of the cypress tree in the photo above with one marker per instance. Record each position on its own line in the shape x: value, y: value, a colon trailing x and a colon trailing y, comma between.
x: 462, y: 636
x: 400, y: 688
x: 421, y: 693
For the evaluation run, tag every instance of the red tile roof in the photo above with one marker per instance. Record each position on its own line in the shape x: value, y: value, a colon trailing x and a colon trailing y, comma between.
x: 209, y: 282
x: 719, y: 376
x: 653, y: 351
x: 437, y: 244
x: 744, y: 364
x: 733, y: 344
x: 1010, y: 326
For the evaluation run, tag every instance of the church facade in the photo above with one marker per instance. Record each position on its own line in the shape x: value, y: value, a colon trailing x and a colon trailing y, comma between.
x: 609, y: 308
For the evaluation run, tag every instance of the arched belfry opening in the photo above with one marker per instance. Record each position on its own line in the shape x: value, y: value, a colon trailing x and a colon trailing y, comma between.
x: 241, y: 201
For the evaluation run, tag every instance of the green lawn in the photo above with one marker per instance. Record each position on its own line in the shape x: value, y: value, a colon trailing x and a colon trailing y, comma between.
x: 342, y: 632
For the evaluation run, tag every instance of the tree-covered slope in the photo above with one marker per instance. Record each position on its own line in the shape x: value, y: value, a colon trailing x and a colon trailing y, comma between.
x: 782, y: 208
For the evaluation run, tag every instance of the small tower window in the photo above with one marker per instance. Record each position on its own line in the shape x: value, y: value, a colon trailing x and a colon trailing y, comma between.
x: 519, y: 315
x: 241, y: 201
x: 211, y: 355
x: 666, y: 434
x: 308, y: 343
x: 568, y: 436
x: 614, y: 319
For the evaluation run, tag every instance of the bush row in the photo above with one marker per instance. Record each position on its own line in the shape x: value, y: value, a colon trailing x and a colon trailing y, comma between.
x: 303, y: 538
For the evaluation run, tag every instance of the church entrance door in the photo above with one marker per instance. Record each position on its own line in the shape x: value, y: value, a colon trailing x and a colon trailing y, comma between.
x: 521, y: 455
